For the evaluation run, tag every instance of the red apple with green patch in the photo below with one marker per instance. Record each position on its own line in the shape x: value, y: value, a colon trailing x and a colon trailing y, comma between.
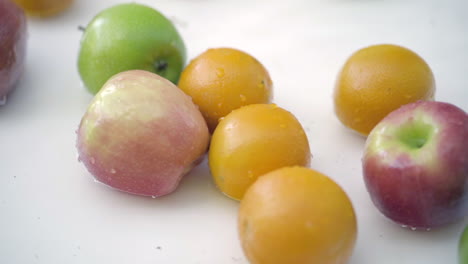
x: 415, y: 165
x: 13, y: 35
x: 141, y: 134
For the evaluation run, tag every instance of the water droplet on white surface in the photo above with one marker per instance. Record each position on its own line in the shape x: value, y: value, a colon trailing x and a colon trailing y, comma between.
x: 3, y: 100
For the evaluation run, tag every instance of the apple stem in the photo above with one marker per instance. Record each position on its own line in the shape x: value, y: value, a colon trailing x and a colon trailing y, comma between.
x: 161, y: 65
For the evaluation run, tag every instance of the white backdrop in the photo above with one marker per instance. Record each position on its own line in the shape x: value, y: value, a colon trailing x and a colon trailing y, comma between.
x: 52, y: 212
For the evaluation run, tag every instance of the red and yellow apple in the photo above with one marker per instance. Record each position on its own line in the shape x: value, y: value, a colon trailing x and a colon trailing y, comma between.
x: 415, y: 164
x: 13, y: 35
x: 141, y: 134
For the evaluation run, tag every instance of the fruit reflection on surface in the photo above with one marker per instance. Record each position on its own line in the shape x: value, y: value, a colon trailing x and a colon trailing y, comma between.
x: 296, y: 215
x: 252, y: 141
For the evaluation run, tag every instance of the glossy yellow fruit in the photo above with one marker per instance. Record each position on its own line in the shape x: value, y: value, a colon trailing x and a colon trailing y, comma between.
x: 223, y: 79
x: 252, y: 141
x: 296, y: 215
x: 377, y: 80
x: 44, y: 8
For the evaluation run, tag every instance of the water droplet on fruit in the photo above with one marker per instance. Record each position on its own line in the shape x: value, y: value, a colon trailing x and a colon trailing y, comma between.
x: 220, y: 119
x: 428, y: 229
x: 243, y: 98
x: 230, y: 126
x: 113, y: 171
x: 250, y: 174
x: 220, y: 72
x: 3, y: 100
x: 92, y: 160
x: 404, y: 226
x: 154, y: 197
x: 413, y: 228
x: 220, y: 105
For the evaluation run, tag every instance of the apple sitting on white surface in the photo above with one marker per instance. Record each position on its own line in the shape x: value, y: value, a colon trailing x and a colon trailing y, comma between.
x: 13, y: 35
x: 129, y: 37
x: 141, y: 134
x: 415, y: 165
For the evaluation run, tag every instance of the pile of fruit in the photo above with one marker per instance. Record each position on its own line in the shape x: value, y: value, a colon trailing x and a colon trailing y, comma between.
x: 152, y: 120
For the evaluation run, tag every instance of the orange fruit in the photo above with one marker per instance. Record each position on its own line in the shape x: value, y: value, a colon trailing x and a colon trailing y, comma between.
x: 377, y: 80
x: 251, y: 141
x: 296, y: 215
x: 223, y: 79
x: 44, y: 8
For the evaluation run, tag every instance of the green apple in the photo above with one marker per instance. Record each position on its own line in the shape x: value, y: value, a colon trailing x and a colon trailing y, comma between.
x: 128, y: 37
x: 463, y: 248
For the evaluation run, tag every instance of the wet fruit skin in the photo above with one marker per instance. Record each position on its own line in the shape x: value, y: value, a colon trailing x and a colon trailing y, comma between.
x: 13, y: 39
x: 141, y: 134
x: 415, y: 165
x: 224, y: 79
x: 251, y: 141
x: 44, y: 8
x: 296, y: 215
x: 376, y: 80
